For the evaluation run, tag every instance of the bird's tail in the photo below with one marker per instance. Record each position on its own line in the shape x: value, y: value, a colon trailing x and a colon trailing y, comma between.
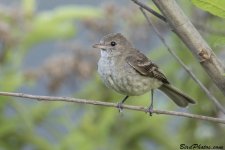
x: 176, y: 95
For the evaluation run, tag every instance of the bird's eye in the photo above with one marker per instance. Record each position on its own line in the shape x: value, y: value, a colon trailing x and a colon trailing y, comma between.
x: 113, y: 43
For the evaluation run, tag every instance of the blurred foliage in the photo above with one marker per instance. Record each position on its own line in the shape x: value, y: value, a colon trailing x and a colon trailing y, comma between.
x: 32, y: 125
x: 57, y: 23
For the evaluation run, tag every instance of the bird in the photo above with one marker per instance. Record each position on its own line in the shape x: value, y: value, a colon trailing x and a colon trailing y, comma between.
x: 129, y: 72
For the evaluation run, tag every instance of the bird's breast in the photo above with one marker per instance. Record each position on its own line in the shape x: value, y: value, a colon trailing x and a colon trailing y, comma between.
x: 120, y: 76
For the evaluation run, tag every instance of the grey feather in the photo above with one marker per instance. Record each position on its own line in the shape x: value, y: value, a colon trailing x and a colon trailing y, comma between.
x: 145, y: 67
x: 176, y: 95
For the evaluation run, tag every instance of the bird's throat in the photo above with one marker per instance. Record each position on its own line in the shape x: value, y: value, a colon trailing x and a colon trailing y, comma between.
x: 108, y: 53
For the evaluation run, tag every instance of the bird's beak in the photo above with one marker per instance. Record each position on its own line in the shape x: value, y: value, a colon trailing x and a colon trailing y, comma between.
x: 100, y: 46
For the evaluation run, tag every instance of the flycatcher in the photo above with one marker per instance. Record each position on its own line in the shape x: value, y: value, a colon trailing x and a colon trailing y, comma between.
x: 129, y: 72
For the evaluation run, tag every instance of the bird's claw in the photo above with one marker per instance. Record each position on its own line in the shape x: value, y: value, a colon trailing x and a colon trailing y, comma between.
x: 150, y: 110
x: 120, y: 107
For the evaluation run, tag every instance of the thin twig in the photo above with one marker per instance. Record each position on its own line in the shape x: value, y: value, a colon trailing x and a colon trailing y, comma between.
x: 211, y: 97
x: 108, y: 104
x: 150, y: 10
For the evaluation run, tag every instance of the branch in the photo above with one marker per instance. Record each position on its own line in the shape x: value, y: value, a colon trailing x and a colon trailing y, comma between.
x: 182, y: 26
x: 108, y: 104
x: 150, y: 10
x: 190, y: 36
x: 211, y: 97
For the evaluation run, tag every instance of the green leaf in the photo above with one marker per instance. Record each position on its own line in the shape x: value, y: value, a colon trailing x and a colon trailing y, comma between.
x: 215, y: 7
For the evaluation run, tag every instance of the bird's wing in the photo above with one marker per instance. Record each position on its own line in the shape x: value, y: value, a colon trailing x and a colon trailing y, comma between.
x: 145, y: 67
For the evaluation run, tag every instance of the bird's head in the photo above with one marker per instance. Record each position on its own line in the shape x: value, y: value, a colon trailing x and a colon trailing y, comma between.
x: 113, y: 44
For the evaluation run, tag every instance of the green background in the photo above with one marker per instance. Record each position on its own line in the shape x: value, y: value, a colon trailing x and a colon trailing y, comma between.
x: 46, y: 49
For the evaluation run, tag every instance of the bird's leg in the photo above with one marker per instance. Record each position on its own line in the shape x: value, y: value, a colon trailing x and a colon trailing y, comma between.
x: 119, y: 105
x: 150, y: 109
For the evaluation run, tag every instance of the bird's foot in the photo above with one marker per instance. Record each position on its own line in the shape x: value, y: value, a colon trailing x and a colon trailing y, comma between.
x: 120, y: 107
x: 150, y: 110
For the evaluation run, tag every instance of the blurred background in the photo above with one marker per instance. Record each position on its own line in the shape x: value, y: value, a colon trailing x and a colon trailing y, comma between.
x: 46, y: 49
